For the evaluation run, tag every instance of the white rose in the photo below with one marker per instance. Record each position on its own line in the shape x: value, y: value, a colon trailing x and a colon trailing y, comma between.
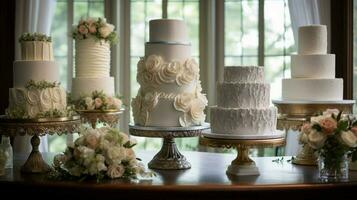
x: 329, y: 112
x: 115, y: 155
x: 98, y: 102
x: 59, y: 159
x: 117, y: 103
x: 316, y: 139
x: 130, y: 154
x: 124, y: 137
x: 153, y: 63
x: 189, y: 73
x: 89, y: 103
x: 115, y: 171
x: 349, y: 138
x: 169, y: 71
x: 106, y: 30
x: 316, y: 120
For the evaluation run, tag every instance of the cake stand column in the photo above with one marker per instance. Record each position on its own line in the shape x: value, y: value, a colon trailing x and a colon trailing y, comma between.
x: 35, y: 162
x: 243, y: 164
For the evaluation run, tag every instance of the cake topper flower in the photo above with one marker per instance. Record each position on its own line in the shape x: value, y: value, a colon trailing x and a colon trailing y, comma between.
x: 99, y: 28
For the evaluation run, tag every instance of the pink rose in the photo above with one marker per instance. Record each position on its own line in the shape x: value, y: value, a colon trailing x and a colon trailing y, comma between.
x: 354, y: 130
x: 306, y: 128
x: 328, y: 125
x: 83, y: 30
x: 98, y: 102
x: 92, y: 28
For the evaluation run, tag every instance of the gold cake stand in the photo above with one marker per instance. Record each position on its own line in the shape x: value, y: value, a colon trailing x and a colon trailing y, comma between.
x: 293, y: 114
x: 37, y: 128
x: 109, y: 117
x: 169, y: 157
x: 243, y: 165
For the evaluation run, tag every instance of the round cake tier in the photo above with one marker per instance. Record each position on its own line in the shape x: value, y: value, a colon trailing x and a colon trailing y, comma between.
x: 168, y: 30
x: 36, y: 50
x: 169, y: 110
x: 243, y: 121
x: 313, y: 66
x: 313, y: 89
x: 85, y: 86
x: 312, y: 39
x: 24, y: 71
x: 92, y: 58
x: 243, y: 95
x: 31, y: 103
x: 169, y: 52
x: 244, y: 74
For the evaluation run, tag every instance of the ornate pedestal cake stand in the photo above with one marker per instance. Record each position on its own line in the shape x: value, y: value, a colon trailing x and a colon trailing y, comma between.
x: 243, y: 165
x: 37, y: 128
x: 293, y: 114
x: 109, y: 117
x: 169, y: 156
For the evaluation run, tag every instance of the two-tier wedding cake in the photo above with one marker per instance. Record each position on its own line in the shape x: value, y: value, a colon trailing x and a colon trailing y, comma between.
x: 243, y: 104
x: 36, y: 92
x: 93, y: 87
x: 170, y: 90
x: 312, y: 69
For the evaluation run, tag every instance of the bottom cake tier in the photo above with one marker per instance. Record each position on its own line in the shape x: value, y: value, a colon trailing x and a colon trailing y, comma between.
x: 240, y: 121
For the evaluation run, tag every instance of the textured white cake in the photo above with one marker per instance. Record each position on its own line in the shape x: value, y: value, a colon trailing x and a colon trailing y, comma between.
x: 243, y: 101
x: 170, y: 90
x: 36, y: 65
x: 312, y: 70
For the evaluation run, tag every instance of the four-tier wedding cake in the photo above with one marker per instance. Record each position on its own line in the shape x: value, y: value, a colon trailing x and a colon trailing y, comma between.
x: 170, y: 89
x: 312, y: 69
x: 243, y: 103
x: 36, y: 92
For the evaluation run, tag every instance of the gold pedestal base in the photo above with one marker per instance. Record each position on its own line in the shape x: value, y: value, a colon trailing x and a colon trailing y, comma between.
x: 35, y: 162
x: 305, y: 157
x: 109, y: 117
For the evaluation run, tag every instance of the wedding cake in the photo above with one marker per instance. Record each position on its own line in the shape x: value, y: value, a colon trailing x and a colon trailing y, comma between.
x: 170, y: 89
x: 243, y: 103
x: 312, y: 69
x: 93, y: 87
x: 36, y: 92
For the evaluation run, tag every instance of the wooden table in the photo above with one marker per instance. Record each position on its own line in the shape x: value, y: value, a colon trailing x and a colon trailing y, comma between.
x: 205, y: 180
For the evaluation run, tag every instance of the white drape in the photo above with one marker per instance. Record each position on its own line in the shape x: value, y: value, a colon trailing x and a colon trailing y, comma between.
x: 304, y: 12
x: 31, y: 16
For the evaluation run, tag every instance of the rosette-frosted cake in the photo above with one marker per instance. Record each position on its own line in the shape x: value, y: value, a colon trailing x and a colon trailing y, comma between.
x: 170, y: 89
x: 36, y: 92
x: 243, y: 104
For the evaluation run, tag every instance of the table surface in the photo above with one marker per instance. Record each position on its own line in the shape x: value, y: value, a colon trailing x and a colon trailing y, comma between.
x: 206, y: 175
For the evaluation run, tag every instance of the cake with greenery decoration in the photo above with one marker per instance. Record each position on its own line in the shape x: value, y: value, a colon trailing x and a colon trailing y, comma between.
x: 36, y: 91
x: 93, y: 38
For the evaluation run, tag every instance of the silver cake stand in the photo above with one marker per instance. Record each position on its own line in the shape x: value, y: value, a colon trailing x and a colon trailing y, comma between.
x: 243, y: 165
x: 169, y: 156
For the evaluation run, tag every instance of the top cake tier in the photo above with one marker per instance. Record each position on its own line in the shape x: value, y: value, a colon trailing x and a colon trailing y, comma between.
x: 312, y: 40
x: 168, y: 30
x: 244, y: 74
x: 36, y: 50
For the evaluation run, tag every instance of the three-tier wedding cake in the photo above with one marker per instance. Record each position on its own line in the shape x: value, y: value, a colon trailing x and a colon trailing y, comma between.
x: 312, y: 69
x: 170, y: 90
x: 36, y: 92
x: 243, y: 103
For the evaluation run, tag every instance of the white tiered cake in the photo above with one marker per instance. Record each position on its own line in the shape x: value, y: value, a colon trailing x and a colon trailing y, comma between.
x: 243, y: 101
x: 170, y: 90
x: 312, y: 69
x: 36, y: 91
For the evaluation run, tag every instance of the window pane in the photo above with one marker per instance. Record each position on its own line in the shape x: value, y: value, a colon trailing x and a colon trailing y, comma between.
x: 276, y: 68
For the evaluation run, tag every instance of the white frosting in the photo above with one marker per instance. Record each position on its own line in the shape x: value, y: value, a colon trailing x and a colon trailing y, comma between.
x: 313, y: 66
x: 92, y: 58
x: 170, y: 93
x: 85, y: 86
x: 243, y: 121
x: 24, y: 71
x: 168, y: 30
x: 35, y: 101
x: 243, y: 95
x: 244, y: 74
x: 312, y: 39
x: 313, y: 89
x: 169, y: 52
x: 36, y: 50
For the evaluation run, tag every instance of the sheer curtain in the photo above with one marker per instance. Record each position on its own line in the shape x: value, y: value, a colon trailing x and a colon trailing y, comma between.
x: 304, y: 12
x: 31, y: 16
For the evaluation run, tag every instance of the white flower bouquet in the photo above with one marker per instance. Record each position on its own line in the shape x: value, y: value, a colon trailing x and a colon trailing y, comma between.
x: 99, y: 28
x: 100, y: 153
x: 98, y: 100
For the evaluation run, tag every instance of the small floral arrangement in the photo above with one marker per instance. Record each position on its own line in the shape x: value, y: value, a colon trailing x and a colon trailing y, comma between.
x: 41, y: 85
x: 332, y: 135
x: 100, y: 153
x: 26, y: 37
x: 98, y: 101
x: 99, y: 28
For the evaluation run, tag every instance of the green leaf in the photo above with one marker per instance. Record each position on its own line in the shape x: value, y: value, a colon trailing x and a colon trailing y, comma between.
x: 342, y: 125
x: 339, y: 116
x: 317, y: 127
x: 354, y: 123
x: 129, y: 145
